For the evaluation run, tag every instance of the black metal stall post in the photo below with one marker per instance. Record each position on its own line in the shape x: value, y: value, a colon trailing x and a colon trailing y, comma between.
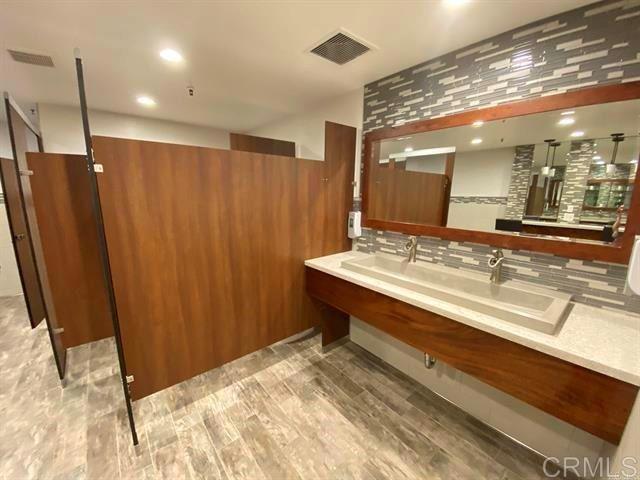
x: 102, y: 244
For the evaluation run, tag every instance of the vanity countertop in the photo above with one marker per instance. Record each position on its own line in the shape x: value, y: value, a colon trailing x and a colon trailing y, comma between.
x: 579, y: 226
x: 602, y: 340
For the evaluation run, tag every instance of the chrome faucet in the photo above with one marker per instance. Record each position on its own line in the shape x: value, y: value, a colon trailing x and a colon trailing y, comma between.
x: 412, y: 247
x: 495, y: 265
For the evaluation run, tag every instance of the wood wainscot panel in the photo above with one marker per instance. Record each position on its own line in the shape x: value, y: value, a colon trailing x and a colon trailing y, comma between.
x: 594, y: 402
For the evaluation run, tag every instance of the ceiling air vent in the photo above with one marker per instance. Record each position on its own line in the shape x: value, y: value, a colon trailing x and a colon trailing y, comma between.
x: 31, y: 58
x: 341, y: 48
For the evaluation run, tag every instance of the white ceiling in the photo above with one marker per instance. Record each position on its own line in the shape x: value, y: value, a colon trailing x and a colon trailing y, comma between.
x: 246, y: 59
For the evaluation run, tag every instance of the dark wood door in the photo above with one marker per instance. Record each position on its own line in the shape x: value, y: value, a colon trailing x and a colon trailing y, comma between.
x: 62, y: 199
x: 19, y: 133
x: 21, y: 242
x: 339, y: 156
x: 270, y: 146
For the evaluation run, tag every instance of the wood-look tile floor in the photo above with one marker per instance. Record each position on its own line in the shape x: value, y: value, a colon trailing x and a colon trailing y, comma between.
x: 286, y: 411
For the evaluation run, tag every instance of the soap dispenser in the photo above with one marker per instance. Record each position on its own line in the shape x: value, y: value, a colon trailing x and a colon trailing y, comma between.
x: 633, y: 274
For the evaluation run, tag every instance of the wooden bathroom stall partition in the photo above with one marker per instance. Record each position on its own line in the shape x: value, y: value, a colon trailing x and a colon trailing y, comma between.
x: 405, y: 196
x: 207, y: 248
x: 21, y: 242
x: 19, y: 134
x: 62, y: 200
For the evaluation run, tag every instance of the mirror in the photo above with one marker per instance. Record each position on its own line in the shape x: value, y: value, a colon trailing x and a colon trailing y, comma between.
x: 561, y: 173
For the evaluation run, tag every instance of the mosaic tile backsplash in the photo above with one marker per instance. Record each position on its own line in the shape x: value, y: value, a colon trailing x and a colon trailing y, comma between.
x: 479, y: 200
x: 594, y: 283
x: 594, y: 45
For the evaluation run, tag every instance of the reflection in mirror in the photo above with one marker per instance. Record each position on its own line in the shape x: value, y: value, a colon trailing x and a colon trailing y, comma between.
x: 5, y: 141
x: 563, y: 173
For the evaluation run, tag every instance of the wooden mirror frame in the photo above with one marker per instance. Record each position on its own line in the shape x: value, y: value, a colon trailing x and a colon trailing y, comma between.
x: 616, y: 252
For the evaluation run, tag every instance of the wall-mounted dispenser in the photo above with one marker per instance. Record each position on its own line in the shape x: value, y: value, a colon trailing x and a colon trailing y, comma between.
x: 633, y: 274
x: 355, y: 229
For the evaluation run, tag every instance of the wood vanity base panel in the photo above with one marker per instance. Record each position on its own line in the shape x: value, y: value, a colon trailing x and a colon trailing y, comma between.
x: 591, y: 401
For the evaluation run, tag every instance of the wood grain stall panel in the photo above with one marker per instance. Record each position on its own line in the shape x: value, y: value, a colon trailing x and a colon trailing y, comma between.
x: 21, y: 242
x: 62, y: 199
x: 594, y: 402
x: 269, y: 146
x: 406, y: 196
x: 206, y: 249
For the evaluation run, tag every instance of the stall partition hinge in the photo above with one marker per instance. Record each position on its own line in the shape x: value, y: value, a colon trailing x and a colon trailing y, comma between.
x: 98, y: 168
x: 429, y: 361
x: 58, y: 330
x: 26, y: 173
x: 129, y: 379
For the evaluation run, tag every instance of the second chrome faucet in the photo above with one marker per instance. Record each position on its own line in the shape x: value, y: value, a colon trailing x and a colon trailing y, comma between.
x: 495, y: 265
x: 412, y: 247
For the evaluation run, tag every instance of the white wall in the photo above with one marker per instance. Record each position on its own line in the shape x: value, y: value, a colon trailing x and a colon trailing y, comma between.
x: 485, y: 173
x: 428, y: 164
x: 61, y: 128
x: 5, y: 142
x: 307, y: 129
x: 9, y: 277
x: 475, y: 216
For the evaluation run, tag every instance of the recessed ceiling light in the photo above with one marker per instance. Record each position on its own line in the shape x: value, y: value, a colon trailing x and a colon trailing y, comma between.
x: 597, y: 157
x: 566, y: 121
x: 455, y: 3
x: 477, y: 123
x: 577, y: 133
x: 601, y: 162
x: 476, y: 141
x: 408, y: 149
x: 568, y: 112
x: 171, y: 55
x: 145, y: 100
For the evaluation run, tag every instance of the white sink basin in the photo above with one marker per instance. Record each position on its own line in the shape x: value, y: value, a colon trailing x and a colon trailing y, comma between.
x: 519, y: 303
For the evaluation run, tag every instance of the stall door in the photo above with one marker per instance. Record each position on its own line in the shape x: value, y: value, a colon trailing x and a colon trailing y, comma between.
x: 21, y: 138
x: 21, y: 242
